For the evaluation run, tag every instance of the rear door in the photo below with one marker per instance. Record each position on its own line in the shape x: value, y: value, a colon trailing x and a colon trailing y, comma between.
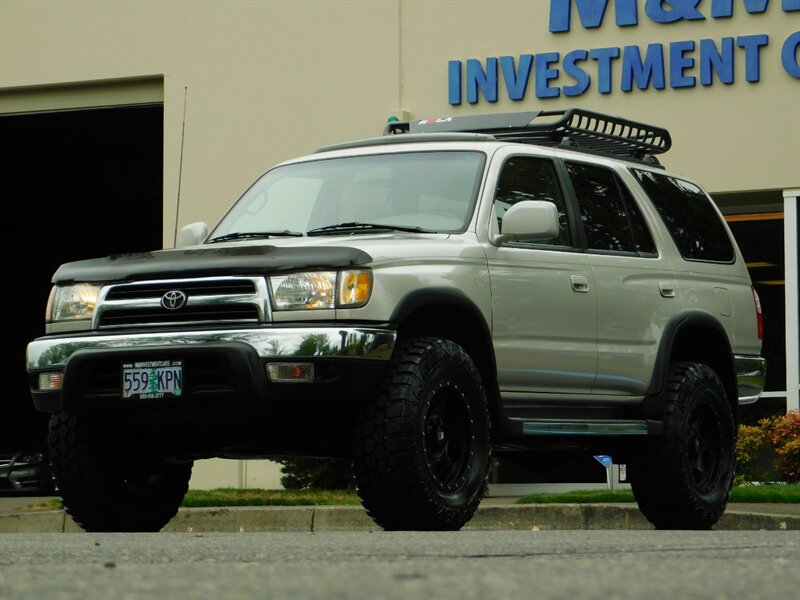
x: 635, y: 288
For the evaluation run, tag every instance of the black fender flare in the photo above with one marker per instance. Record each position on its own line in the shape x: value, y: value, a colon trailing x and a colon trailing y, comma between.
x: 673, y: 329
x: 422, y: 297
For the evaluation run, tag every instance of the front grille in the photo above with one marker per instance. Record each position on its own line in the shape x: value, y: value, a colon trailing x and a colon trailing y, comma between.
x: 208, y: 300
x: 216, y: 287
x: 188, y: 314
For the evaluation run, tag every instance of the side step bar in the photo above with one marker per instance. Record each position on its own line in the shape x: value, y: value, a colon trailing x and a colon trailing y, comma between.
x: 593, y: 427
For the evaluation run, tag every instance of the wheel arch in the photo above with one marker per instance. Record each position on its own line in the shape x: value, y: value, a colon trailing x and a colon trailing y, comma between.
x: 695, y: 336
x: 449, y: 313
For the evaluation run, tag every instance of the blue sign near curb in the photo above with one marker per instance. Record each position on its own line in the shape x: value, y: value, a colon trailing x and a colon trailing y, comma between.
x: 604, y: 460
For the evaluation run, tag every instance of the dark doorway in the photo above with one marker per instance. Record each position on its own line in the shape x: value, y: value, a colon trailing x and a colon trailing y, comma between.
x: 75, y: 185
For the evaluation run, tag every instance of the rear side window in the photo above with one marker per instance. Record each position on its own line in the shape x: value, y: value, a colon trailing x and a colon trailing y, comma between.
x: 610, y: 217
x: 689, y: 216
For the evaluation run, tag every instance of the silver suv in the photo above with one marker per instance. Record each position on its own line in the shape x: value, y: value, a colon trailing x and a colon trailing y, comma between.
x: 416, y: 302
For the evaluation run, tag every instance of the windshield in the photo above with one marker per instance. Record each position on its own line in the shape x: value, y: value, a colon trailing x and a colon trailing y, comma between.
x: 415, y: 191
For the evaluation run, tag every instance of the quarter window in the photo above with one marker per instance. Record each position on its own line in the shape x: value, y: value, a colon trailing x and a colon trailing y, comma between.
x: 609, y: 214
x: 530, y: 178
x: 689, y: 216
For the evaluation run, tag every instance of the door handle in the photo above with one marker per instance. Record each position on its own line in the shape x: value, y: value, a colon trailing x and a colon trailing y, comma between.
x: 667, y: 289
x: 579, y: 283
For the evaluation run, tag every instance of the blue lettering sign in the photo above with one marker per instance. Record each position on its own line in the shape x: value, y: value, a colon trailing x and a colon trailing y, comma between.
x: 454, y: 82
x: 723, y: 9
x: 712, y: 60
x: 752, y: 54
x: 604, y: 58
x: 544, y: 74
x: 478, y: 79
x: 678, y: 10
x: 679, y: 63
x: 647, y: 71
x: 581, y: 77
x: 591, y: 13
x: 789, y: 54
x: 516, y: 79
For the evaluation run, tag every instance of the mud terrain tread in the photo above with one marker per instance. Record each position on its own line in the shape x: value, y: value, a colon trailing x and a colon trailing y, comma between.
x: 392, y: 480
x: 661, y: 480
x: 97, y: 498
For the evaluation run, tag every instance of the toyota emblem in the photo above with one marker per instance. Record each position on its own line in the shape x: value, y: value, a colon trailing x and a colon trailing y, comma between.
x: 173, y: 300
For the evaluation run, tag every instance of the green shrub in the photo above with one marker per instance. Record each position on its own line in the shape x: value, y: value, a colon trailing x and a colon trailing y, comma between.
x: 304, y: 473
x: 769, y: 451
x: 784, y: 435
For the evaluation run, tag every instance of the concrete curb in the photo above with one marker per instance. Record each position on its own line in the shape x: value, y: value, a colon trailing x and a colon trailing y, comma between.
x: 353, y: 518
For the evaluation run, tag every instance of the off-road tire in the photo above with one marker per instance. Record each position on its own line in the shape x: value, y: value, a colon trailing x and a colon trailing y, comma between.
x: 98, y: 490
x: 683, y: 480
x: 422, y: 450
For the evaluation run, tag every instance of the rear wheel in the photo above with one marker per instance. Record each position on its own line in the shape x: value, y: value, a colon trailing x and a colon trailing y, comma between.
x: 683, y: 480
x: 104, y: 485
x: 422, y: 448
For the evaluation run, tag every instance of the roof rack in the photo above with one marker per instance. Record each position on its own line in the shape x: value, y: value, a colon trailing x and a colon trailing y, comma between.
x: 573, y: 127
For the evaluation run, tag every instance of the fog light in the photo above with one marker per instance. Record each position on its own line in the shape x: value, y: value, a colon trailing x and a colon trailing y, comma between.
x: 50, y: 380
x: 291, y: 372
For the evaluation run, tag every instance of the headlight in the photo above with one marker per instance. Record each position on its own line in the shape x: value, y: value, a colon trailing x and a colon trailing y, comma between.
x: 321, y: 289
x: 72, y: 302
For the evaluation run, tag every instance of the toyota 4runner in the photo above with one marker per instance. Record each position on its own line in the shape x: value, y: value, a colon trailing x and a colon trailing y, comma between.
x: 416, y: 302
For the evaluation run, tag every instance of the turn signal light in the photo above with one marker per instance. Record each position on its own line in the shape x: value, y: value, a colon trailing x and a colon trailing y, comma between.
x: 290, y: 372
x: 51, y: 380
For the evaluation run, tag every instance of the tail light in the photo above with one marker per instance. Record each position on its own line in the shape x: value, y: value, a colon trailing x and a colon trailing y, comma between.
x: 759, y: 314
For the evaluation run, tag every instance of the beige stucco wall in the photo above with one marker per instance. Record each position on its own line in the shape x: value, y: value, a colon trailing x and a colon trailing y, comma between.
x: 264, y: 81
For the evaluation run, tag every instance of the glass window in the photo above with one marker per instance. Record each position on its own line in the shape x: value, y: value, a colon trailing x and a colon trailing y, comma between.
x: 530, y: 178
x: 689, y: 216
x: 435, y: 191
x: 609, y: 214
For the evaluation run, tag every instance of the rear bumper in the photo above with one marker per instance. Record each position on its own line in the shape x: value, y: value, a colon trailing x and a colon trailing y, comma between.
x: 751, y: 372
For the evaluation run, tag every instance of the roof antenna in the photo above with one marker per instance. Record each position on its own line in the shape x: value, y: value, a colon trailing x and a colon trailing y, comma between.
x: 180, y: 169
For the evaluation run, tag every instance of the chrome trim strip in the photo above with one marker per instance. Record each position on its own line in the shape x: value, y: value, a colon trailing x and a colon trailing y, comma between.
x: 751, y: 372
x: 318, y: 342
x: 584, y: 427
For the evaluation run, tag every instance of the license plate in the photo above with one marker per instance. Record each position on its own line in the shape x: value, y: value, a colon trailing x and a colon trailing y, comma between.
x: 152, y: 379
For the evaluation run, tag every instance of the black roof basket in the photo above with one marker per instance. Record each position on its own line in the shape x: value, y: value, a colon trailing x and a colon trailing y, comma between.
x: 572, y: 127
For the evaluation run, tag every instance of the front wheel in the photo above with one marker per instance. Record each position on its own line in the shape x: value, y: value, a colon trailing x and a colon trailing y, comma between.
x: 107, y: 486
x: 422, y: 448
x: 683, y: 480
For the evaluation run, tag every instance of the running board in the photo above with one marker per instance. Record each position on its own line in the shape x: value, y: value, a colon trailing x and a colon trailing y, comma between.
x: 599, y: 427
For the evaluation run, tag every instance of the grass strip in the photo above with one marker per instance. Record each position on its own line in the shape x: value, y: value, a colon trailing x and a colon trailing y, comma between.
x: 788, y: 493
x: 257, y: 497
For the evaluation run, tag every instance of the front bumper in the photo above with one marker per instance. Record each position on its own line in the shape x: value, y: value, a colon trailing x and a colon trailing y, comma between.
x: 226, y: 366
x: 20, y: 472
x: 751, y: 372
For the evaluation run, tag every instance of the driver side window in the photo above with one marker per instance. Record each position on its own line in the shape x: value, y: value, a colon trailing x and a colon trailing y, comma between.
x: 531, y: 178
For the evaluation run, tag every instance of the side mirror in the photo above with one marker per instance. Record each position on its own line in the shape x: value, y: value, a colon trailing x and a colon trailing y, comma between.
x: 528, y: 221
x: 192, y: 234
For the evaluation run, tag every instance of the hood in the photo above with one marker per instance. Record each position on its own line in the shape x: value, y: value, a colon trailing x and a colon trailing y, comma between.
x: 263, y: 256
x: 210, y: 260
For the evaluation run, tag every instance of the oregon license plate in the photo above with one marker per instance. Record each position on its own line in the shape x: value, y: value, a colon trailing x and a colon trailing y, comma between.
x: 152, y: 379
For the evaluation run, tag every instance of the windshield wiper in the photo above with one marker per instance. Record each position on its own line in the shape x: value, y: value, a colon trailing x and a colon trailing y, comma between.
x: 240, y: 235
x: 355, y: 226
